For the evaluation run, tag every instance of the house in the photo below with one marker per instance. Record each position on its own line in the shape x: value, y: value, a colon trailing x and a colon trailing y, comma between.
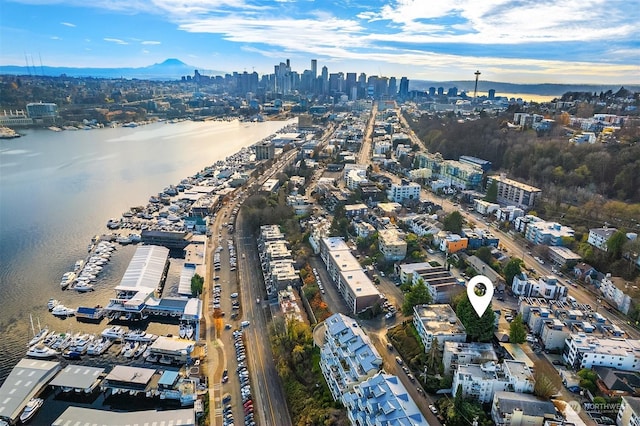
x: 583, y: 270
x: 616, y: 383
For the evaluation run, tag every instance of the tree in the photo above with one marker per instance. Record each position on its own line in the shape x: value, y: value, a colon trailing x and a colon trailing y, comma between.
x: 588, y: 379
x: 543, y: 387
x: 197, y: 284
x: 484, y: 254
x: 418, y: 294
x: 453, y: 222
x: 478, y: 329
x: 517, y: 332
x: 434, y: 358
x: 615, y: 244
x: 511, y: 269
x: 492, y: 192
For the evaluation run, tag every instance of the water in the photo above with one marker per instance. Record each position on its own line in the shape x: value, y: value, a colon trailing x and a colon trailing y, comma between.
x: 58, y: 189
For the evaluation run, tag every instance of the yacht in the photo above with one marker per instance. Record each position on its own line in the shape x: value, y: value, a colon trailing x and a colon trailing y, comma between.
x: 99, y: 346
x: 67, y: 278
x: 81, y: 343
x: 114, y: 332
x: 131, y: 349
x: 52, y: 303
x: 63, y: 311
x: 189, y: 331
x: 140, y: 336
x: 30, y: 410
x: 78, y: 265
x: 41, y: 351
x: 83, y: 287
x: 71, y: 354
x: 141, y: 349
x: 39, y: 336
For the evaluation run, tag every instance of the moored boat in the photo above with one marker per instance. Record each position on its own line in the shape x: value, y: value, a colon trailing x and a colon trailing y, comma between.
x: 52, y: 303
x: 63, y: 311
x: 31, y: 409
x: 67, y: 278
x: 41, y: 351
x: 114, y: 332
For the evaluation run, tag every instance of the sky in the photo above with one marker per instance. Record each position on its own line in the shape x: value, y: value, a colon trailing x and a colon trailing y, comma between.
x: 519, y: 41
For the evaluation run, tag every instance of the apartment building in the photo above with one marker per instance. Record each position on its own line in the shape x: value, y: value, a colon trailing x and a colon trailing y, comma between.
x: 561, y: 256
x: 584, y: 351
x: 391, y: 244
x: 441, y: 284
x: 512, y: 192
x: 617, y: 291
x: 354, y: 286
x: 437, y: 322
x: 347, y: 357
x: 403, y: 191
x: 382, y: 400
x: 462, y: 353
x: 546, y: 287
x: 482, y: 381
x: 598, y: 237
x: 547, y: 233
x: 516, y: 409
x: 629, y: 412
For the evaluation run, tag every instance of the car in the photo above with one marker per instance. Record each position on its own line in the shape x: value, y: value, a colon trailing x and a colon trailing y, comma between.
x: 390, y: 346
x: 433, y: 409
x: 227, y: 326
x: 399, y: 360
x: 234, y: 295
x: 557, y: 362
x: 244, y: 323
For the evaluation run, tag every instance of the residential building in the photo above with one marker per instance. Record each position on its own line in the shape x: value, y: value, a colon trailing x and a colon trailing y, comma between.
x: 485, y: 207
x: 615, y: 383
x: 539, y: 231
x: 461, y: 353
x: 482, y: 381
x: 346, y: 272
x: 452, y: 243
x: 382, y: 400
x: 518, y: 409
x: 404, y: 191
x: 546, y: 287
x: 265, y: 150
x: 422, y: 225
x: 461, y: 175
x: 508, y: 213
x: 437, y: 322
x: 364, y: 229
x: 562, y: 256
x: 391, y: 244
x: 347, y: 356
x: 405, y: 271
x: 512, y: 192
x: 479, y: 237
x: 353, y: 210
x: 583, y: 351
x: 442, y: 285
x: 617, y: 292
x: 301, y: 204
x: 598, y: 237
x: 629, y: 412
x: 355, y: 177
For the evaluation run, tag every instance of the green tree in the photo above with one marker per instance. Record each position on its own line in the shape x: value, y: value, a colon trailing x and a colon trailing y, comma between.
x: 418, y: 294
x: 478, y: 329
x: 615, y: 244
x: 453, y: 222
x: 517, y: 332
x: 492, y: 192
x: 484, y: 254
x: 197, y: 284
x: 511, y: 269
x: 588, y: 379
x: 434, y: 358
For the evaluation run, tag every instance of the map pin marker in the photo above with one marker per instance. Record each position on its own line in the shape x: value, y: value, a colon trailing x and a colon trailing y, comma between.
x: 480, y: 292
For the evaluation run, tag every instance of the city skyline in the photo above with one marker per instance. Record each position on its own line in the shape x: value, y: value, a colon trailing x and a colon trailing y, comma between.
x: 533, y: 42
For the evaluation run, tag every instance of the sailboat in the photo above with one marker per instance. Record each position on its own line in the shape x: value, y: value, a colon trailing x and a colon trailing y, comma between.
x: 41, y: 334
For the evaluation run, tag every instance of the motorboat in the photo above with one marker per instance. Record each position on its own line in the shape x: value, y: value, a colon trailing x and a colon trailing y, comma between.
x: 99, y: 346
x: 114, y: 332
x: 78, y: 265
x: 131, y: 349
x: 41, y: 351
x: 31, y: 409
x: 63, y: 311
x: 182, y: 332
x: 140, y: 336
x: 83, y: 287
x: 81, y: 343
x: 71, y: 354
x: 189, y: 331
x: 52, y: 303
x: 140, y: 350
x: 123, y: 239
x: 67, y: 278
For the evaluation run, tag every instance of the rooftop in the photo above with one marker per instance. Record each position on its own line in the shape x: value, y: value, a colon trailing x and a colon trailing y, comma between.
x: 77, y: 376
x: 84, y: 416
x: 529, y: 405
x: 439, y: 319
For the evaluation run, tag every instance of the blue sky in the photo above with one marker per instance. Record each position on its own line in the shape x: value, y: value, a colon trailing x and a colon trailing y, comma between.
x: 523, y: 41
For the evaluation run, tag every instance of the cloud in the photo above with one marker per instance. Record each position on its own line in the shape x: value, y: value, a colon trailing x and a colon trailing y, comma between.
x: 150, y: 42
x: 115, y: 40
x: 68, y: 24
x: 55, y: 38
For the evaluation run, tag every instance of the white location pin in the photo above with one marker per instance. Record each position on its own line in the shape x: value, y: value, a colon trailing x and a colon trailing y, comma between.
x: 480, y: 292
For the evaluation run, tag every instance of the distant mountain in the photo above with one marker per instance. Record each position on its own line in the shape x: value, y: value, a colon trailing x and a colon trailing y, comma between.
x: 171, y: 69
x: 546, y: 89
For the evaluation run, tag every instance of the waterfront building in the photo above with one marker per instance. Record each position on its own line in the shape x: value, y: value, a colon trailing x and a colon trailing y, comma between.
x: 42, y: 112
x: 82, y: 415
x: 265, y: 150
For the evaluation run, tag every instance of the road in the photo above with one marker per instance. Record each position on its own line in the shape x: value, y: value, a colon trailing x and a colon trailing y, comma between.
x: 364, y: 155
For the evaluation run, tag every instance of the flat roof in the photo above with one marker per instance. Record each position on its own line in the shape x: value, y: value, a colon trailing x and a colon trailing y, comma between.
x: 77, y: 376
x: 172, y: 344
x: 133, y: 375
x: 439, y: 319
x: 168, y: 378
x: 25, y: 381
x: 335, y: 243
x: 90, y: 416
x: 359, y: 283
x: 518, y: 354
x: 344, y: 260
x: 145, y: 269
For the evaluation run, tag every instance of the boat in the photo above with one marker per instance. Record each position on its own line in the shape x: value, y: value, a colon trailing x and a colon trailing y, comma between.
x: 189, y: 331
x: 140, y: 336
x: 67, y: 278
x: 131, y: 349
x: 62, y: 341
x: 141, y: 349
x: 83, y: 287
x: 31, y: 409
x: 71, y: 354
x: 114, y: 332
x: 40, y: 335
x: 123, y: 239
x: 63, y: 311
x: 41, y: 351
x: 52, y: 303
x: 78, y: 265
x: 98, y: 347
x: 182, y: 332
x: 81, y: 343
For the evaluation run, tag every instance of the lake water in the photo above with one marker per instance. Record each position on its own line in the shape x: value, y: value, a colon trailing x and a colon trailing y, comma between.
x: 58, y: 189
